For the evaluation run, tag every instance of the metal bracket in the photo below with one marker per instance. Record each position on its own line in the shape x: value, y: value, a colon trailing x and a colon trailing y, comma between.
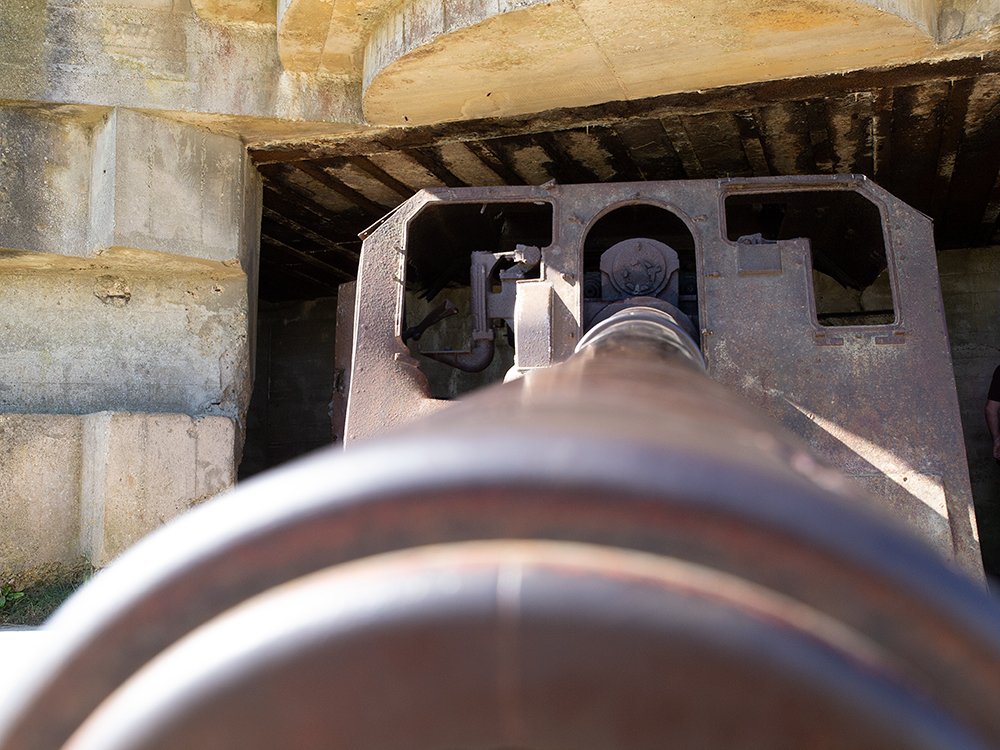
x: 488, y: 305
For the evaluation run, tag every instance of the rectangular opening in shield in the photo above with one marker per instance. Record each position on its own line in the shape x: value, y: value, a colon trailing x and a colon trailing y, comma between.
x: 851, y: 280
x: 451, y: 248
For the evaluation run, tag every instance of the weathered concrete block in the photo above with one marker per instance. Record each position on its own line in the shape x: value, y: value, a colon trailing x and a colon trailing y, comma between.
x: 40, y: 469
x: 127, y: 330
x: 173, y: 188
x: 141, y: 470
x: 438, y: 60
x: 44, y: 177
x: 158, y: 55
x: 85, y: 181
x: 78, y: 180
x: 970, y: 282
x: 94, y: 485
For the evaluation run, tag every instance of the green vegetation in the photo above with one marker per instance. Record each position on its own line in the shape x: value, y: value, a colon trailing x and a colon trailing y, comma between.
x: 31, y: 605
x: 7, y: 594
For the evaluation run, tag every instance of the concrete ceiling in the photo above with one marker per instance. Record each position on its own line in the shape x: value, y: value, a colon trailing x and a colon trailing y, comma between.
x: 430, y: 61
x: 928, y: 132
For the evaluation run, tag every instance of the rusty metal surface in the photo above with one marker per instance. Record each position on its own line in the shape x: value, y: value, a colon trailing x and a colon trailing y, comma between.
x: 663, y: 330
x: 623, y: 450
x: 343, y: 351
x: 639, y: 268
x: 878, y: 402
x: 381, y: 364
x: 521, y: 644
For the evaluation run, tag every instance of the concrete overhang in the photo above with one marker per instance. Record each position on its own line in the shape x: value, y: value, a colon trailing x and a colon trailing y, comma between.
x: 427, y: 61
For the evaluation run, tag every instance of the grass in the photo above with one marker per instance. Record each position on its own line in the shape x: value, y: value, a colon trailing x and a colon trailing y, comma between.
x: 41, y: 598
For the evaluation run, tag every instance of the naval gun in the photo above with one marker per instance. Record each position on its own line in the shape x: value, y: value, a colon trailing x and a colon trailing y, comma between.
x: 615, y: 548
x: 814, y: 298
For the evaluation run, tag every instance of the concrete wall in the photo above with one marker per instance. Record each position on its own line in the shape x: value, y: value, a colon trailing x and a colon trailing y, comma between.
x: 141, y: 325
x: 272, y: 70
x: 166, y: 186
x: 970, y: 285
x: 75, y: 179
x: 159, y: 55
x: 124, y: 330
x: 41, y: 459
x: 128, y: 268
x: 91, y: 485
x: 141, y: 470
x: 45, y: 177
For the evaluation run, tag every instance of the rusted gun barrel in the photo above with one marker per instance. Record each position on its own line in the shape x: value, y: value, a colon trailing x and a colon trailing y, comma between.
x: 614, y: 552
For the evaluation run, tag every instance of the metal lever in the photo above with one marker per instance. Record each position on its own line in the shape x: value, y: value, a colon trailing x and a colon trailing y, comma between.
x: 443, y: 310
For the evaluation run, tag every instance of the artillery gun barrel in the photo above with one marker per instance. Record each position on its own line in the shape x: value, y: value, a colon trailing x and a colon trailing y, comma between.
x: 614, y: 552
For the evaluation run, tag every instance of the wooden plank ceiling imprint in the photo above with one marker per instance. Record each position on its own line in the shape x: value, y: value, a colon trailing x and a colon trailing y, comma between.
x: 930, y: 134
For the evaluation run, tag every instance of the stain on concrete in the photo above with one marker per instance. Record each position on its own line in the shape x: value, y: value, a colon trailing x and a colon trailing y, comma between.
x: 950, y: 23
x: 112, y: 290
